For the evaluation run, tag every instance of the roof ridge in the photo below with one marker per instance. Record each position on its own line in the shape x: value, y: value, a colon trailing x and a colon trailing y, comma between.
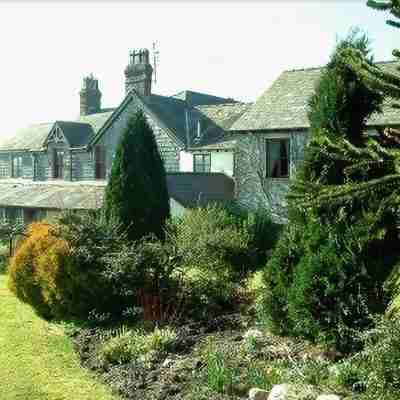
x: 241, y: 103
x: 321, y: 67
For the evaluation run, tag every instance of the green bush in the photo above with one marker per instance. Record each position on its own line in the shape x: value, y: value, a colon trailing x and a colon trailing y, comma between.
x: 63, y: 270
x: 215, y: 257
x: 316, y: 290
x: 129, y: 345
x: 380, y: 359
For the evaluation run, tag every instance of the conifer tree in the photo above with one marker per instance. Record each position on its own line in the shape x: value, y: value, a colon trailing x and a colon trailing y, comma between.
x: 137, y: 194
x: 326, y: 274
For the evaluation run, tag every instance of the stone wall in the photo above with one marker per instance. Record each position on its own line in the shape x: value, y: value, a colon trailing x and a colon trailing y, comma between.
x: 169, y: 150
x: 82, y: 165
x: 253, y: 188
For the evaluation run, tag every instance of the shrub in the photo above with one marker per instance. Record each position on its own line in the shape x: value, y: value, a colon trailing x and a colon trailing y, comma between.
x: 212, y: 246
x: 36, y: 266
x: 62, y: 270
x: 380, y: 359
x: 128, y: 345
x: 320, y: 292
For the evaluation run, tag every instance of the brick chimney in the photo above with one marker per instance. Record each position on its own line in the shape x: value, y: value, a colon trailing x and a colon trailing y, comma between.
x: 90, y: 96
x: 138, y: 73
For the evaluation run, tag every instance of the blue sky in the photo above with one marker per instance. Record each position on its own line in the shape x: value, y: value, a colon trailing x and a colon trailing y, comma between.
x: 234, y: 49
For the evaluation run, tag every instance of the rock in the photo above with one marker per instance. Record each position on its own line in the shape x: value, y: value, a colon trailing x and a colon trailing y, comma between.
x: 328, y: 397
x: 279, y: 392
x: 258, y: 394
x: 253, y: 333
x: 167, y: 362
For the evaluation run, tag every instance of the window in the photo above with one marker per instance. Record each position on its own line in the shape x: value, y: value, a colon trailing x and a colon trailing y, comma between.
x: 17, y: 166
x: 58, y: 170
x: 13, y: 214
x: 202, y: 163
x: 100, y: 162
x: 278, y: 151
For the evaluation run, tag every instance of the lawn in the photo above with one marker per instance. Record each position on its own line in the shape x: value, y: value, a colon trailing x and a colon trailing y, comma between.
x: 37, y: 360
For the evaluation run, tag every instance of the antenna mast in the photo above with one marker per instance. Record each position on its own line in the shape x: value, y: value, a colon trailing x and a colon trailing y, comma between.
x: 156, y: 60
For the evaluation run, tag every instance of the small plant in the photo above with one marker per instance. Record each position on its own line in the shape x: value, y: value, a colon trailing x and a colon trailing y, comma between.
x: 351, y: 376
x: 380, y: 359
x: 220, y: 377
x: 128, y: 345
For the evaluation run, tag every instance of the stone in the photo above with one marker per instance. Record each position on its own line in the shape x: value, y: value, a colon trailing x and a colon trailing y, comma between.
x: 253, y: 333
x: 279, y: 392
x: 167, y: 362
x: 258, y: 394
x: 329, y: 397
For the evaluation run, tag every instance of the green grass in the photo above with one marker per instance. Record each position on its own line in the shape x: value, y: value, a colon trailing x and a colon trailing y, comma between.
x: 37, y: 359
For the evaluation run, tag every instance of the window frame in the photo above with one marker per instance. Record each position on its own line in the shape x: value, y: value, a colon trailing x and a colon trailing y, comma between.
x: 17, y: 172
x: 58, y: 168
x: 100, y: 169
x: 203, y: 163
x: 268, y: 170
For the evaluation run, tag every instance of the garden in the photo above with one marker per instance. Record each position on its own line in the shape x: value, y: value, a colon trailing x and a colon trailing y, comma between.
x: 224, y: 303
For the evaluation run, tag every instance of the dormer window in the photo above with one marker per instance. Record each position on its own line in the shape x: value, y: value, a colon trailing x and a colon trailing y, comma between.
x: 58, y: 169
x: 17, y: 166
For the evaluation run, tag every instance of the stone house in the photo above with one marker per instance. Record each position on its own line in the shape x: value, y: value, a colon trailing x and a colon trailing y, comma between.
x: 214, y: 148
x: 65, y: 164
x: 272, y: 135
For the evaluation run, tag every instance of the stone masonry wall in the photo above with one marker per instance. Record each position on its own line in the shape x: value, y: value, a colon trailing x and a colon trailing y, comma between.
x: 253, y: 189
x: 168, y: 149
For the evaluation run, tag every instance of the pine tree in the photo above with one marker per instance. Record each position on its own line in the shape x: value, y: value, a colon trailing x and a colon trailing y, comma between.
x: 326, y: 274
x: 137, y: 194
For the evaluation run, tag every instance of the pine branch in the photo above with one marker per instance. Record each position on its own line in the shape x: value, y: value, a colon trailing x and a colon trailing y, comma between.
x: 379, y: 5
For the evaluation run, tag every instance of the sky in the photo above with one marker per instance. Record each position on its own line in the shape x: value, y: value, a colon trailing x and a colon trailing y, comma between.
x: 230, y: 49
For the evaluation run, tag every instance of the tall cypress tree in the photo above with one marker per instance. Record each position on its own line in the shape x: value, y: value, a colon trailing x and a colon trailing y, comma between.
x: 137, y: 194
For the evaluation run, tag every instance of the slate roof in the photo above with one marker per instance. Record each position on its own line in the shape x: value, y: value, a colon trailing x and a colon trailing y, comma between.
x: 51, y: 195
x: 284, y: 104
x: 216, y: 121
x: 171, y: 111
x: 29, y: 138
x: 193, y: 99
x: 77, y: 133
x: 176, y: 113
x: 193, y: 189
x: 59, y: 195
x: 34, y: 136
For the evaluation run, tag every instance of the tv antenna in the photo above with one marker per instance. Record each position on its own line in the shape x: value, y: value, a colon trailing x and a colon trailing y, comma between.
x: 156, y: 60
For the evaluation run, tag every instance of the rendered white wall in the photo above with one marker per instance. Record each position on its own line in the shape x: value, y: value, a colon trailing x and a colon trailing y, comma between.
x: 177, y: 210
x: 222, y: 162
x: 185, y: 162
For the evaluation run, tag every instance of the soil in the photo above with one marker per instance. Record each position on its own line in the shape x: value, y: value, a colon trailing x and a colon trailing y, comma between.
x: 179, y: 375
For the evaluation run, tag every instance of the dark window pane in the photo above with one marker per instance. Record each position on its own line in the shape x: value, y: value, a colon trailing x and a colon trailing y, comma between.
x: 17, y: 166
x: 277, y: 158
x: 202, y: 163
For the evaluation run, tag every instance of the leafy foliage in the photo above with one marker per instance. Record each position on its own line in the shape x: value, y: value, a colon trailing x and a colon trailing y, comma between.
x: 36, y: 266
x: 327, y: 272
x: 137, y: 193
x: 62, y: 272
x: 128, y: 345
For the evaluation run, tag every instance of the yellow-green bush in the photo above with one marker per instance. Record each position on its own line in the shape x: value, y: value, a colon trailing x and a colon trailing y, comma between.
x: 35, y: 269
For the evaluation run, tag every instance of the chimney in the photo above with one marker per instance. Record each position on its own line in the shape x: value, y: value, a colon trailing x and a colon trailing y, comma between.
x: 90, y: 96
x: 138, y: 73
